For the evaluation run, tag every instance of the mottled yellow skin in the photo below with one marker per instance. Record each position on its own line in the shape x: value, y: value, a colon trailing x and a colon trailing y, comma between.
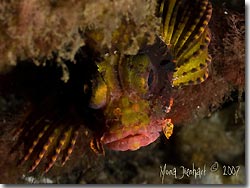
x: 130, y: 113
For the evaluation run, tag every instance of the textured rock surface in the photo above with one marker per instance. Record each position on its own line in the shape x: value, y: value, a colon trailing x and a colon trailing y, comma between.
x: 37, y: 30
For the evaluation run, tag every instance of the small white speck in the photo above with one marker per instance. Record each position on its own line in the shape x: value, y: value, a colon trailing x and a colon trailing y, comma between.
x: 225, y: 12
x: 47, y: 120
x: 167, y: 109
x: 198, y: 107
x: 86, y: 133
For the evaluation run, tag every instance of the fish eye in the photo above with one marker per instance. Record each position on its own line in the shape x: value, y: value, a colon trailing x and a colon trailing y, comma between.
x: 150, y: 78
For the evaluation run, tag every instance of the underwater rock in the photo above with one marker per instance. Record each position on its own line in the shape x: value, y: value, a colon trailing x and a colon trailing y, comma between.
x: 219, y: 178
x: 217, y: 138
x: 38, y: 30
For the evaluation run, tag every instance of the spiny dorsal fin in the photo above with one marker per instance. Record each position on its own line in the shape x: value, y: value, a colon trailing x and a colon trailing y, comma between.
x: 69, y: 149
x: 97, y: 146
x: 62, y: 142
x: 198, y: 28
x: 187, y: 36
x: 44, y: 150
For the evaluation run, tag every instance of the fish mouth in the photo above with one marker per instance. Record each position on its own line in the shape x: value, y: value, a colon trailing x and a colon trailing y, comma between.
x: 121, y: 140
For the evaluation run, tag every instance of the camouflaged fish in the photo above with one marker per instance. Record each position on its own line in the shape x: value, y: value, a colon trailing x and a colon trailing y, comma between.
x: 133, y: 93
x: 186, y: 35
